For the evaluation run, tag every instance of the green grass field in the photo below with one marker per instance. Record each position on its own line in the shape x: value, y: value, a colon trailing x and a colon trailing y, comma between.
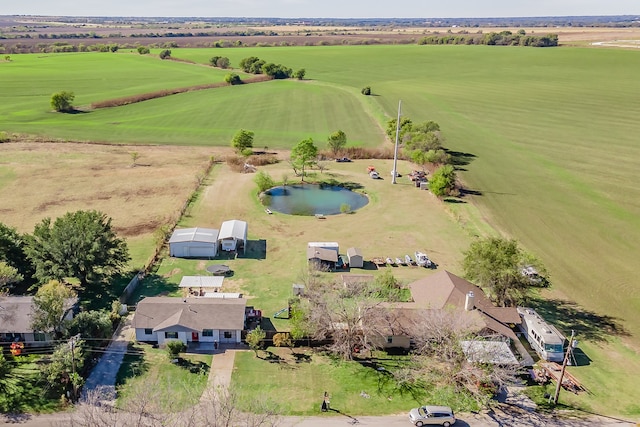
x: 553, y: 132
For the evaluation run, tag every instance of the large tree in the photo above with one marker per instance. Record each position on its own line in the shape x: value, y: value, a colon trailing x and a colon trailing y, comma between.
x: 50, y: 304
x: 443, y: 181
x: 242, y: 140
x: 79, y: 244
x: 304, y: 154
x: 497, y: 265
x: 12, y: 252
x: 8, y: 275
x: 62, y: 101
x: 337, y: 141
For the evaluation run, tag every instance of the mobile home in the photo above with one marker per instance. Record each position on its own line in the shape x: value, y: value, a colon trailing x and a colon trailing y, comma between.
x: 544, y: 338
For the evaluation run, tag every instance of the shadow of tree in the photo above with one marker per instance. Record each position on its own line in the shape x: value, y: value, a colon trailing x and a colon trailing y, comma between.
x: 152, y: 285
x: 256, y: 249
x: 193, y: 367
x: 588, y: 325
x: 99, y: 295
x: 133, y: 364
x: 459, y: 158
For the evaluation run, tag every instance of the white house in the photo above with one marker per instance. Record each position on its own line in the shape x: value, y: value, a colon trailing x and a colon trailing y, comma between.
x: 194, y: 243
x: 233, y: 235
x: 159, y: 319
x: 16, y: 316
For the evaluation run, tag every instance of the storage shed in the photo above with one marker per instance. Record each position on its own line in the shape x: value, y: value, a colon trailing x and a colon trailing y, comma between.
x: 194, y: 243
x: 233, y: 235
x: 355, y: 257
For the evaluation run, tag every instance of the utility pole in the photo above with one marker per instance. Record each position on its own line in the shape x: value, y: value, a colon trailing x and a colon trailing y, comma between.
x: 72, y: 343
x: 564, y: 366
x: 395, y: 152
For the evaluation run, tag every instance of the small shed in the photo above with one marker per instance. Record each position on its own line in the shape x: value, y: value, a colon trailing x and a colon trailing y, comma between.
x: 355, y: 257
x: 194, y: 243
x: 233, y: 235
x: 325, y: 245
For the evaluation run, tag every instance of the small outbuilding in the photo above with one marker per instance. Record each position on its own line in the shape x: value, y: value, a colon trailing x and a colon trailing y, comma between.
x: 194, y: 243
x: 233, y: 235
x: 356, y: 260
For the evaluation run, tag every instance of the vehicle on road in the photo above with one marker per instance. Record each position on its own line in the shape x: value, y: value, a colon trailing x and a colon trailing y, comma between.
x: 432, y: 415
x: 343, y: 160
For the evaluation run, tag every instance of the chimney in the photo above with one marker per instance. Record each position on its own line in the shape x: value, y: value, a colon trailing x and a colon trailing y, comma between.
x: 469, y: 303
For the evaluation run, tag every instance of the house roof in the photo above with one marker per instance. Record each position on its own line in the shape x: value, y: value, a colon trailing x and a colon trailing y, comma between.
x: 189, y: 314
x: 354, y: 252
x: 444, y: 289
x: 322, y: 254
x: 198, y: 234
x: 233, y: 228
x: 16, y: 313
x: 495, y: 352
x: 201, y: 281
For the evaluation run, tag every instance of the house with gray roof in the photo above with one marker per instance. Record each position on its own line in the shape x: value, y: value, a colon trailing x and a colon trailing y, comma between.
x: 190, y: 320
x: 16, y: 314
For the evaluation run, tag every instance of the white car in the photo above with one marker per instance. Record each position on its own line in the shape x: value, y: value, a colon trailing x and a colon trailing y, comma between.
x: 432, y: 415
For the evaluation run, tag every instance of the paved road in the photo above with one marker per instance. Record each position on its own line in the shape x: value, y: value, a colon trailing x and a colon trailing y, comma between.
x: 103, y: 375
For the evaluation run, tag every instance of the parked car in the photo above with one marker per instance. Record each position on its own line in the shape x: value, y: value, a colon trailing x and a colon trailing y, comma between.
x: 432, y: 415
x: 343, y: 160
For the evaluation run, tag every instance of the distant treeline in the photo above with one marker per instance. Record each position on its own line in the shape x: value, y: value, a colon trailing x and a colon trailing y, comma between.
x: 504, y: 38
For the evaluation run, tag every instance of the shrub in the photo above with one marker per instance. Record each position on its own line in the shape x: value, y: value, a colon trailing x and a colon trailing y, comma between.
x: 143, y: 50
x: 232, y: 79
x: 174, y: 348
x: 165, y: 54
x: 4, y: 137
x: 345, y: 208
x: 264, y: 181
x: 366, y: 90
x: 61, y: 101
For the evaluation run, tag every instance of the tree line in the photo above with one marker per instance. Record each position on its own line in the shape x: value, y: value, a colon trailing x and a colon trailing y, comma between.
x: 503, y: 38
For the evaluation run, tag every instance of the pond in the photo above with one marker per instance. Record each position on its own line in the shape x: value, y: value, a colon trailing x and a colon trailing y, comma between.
x: 312, y: 199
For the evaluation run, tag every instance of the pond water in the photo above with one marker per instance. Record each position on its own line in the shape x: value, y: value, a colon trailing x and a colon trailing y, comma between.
x: 312, y: 199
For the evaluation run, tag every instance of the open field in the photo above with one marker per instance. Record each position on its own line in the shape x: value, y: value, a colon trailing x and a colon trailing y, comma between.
x: 554, y: 132
x: 47, y: 180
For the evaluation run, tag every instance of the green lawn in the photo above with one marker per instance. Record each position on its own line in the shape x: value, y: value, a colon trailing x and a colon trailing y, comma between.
x: 298, y: 387
x: 149, y: 370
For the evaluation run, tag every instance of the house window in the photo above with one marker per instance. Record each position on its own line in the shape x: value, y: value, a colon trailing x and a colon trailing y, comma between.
x: 227, y: 334
x: 207, y: 332
x: 171, y: 335
x: 148, y: 331
x: 389, y: 340
x: 39, y: 336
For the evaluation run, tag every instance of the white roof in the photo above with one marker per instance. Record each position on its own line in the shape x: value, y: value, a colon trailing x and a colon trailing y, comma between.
x: 233, y: 228
x: 201, y: 282
x: 495, y: 352
x: 222, y: 295
x: 206, y: 235
x: 321, y: 244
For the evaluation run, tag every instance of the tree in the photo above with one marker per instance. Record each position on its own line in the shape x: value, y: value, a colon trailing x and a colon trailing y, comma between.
x: 304, y: 154
x: 405, y: 126
x: 62, y: 101
x: 496, y: 264
x: 242, y: 140
x: 12, y: 252
x: 165, y: 54
x: 299, y: 74
x: 79, y: 244
x: 252, y: 65
x: 223, y: 62
x: 8, y: 275
x: 92, y: 324
x: 264, y: 181
x: 283, y: 339
x: 443, y: 181
x: 64, y: 364
x: 143, y: 50
x: 51, y: 303
x: 366, y: 90
x: 255, y: 338
x: 232, y: 79
x: 337, y: 141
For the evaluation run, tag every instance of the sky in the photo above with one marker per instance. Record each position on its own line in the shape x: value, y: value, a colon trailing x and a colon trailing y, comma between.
x: 322, y: 8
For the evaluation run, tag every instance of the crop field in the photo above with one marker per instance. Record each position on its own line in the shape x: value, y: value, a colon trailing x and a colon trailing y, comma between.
x: 553, y: 132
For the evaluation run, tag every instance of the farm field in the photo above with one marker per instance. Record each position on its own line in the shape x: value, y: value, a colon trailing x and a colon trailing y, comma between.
x: 553, y: 132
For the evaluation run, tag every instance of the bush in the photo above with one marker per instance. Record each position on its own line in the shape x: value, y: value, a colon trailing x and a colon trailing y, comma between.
x: 4, y: 137
x: 165, y: 54
x: 345, y: 208
x: 143, y: 50
x: 264, y: 181
x: 232, y: 79
x: 366, y: 90
x: 174, y: 348
x: 62, y: 101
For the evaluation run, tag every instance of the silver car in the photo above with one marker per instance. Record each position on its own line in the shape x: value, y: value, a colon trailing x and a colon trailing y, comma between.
x: 432, y: 415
